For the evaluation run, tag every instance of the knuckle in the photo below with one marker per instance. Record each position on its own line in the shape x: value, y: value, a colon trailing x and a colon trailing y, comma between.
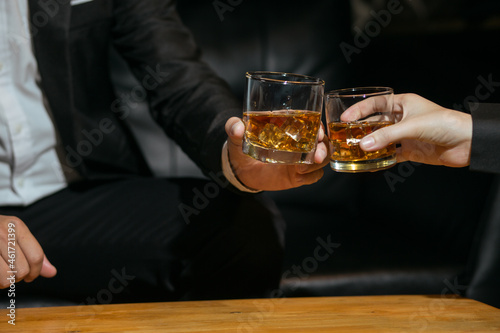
x: 11, y: 219
x: 22, y: 272
x: 411, y: 96
x: 36, y: 258
x: 298, y: 180
x: 10, y: 222
x: 408, y: 97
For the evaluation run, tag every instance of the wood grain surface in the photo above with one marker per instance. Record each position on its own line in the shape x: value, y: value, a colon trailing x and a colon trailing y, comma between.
x: 318, y: 314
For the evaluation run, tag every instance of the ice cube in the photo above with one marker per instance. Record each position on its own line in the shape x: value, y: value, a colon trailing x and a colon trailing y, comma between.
x: 354, y: 133
x: 293, y: 128
x: 353, y: 141
x: 271, y: 136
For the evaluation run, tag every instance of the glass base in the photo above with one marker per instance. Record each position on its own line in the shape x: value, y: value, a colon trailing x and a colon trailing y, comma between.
x: 364, y: 166
x: 277, y: 156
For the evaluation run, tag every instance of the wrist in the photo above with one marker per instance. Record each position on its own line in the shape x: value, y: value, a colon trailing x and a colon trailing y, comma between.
x: 231, y: 175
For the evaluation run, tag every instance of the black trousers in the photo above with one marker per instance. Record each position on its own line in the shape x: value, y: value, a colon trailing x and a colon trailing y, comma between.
x: 147, y: 239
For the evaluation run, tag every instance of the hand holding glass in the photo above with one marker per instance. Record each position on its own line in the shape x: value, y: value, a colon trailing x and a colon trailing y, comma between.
x: 344, y: 137
x: 282, y: 116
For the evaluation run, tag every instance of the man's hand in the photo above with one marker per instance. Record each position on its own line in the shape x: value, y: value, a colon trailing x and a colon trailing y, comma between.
x: 271, y: 177
x: 20, y: 252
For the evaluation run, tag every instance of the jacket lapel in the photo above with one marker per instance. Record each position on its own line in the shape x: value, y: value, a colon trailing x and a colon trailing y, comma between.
x: 49, y: 29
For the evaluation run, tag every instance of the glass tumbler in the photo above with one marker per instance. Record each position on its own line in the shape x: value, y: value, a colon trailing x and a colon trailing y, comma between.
x: 344, y: 137
x: 282, y: 116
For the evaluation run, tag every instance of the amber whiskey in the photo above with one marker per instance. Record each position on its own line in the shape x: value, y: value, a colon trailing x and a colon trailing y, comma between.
x: 346, y: 155
x: 283, y: 130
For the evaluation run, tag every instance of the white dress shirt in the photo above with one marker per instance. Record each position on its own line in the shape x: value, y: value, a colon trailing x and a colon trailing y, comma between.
x: 29, y: 165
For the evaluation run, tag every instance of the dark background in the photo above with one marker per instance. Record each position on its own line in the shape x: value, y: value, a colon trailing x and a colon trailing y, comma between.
x: 405, y: 230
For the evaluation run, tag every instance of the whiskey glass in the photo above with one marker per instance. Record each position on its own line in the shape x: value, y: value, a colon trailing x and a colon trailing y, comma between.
x: 282, y: 116
x: 344, y: 137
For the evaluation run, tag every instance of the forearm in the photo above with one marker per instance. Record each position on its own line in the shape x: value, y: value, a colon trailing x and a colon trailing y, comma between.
x: 187, y: 99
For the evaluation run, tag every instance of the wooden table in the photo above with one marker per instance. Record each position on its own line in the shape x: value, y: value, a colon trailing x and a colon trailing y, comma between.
x: 320, y: 314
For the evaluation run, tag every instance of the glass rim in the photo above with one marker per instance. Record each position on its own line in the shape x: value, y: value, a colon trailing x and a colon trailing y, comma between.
x: 313, y: 80
x: 360, y: 92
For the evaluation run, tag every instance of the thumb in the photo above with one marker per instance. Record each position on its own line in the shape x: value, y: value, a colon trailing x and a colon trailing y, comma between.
x: 381, y: 138
x: 48, y: 270
x: 235, y: 130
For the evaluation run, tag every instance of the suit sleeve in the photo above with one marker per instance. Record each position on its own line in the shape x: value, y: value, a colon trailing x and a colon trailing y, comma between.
x: 485, y: 150
x: 187, y: 99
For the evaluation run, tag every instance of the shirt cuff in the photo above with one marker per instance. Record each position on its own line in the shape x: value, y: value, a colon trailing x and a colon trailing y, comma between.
x: 229, y: 174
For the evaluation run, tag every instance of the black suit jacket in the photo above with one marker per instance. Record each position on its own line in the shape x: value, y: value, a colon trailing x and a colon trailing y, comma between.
x: 485, y: 138
x: 72, y: 45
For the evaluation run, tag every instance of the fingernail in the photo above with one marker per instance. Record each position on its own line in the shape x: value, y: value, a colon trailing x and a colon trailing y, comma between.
x: 322, y: 154
x: 235, y: 127
x: 367, y: 142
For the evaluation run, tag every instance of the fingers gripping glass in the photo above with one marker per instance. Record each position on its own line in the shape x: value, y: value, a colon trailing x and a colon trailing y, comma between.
x: 344, y: 136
